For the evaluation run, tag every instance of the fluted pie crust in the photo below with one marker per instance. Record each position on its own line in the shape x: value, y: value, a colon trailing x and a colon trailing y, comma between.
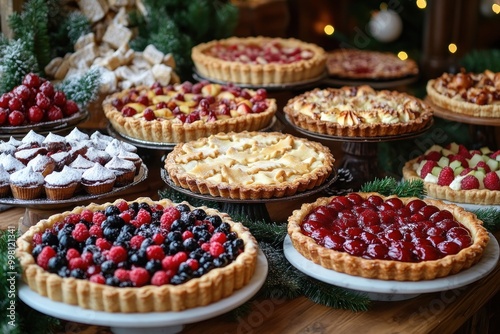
x: 389, y: 269
x: 249, y: 165
x: 358, y: 112
x: 209, y: 288
x: 175, y: 131
x: 481, y: 91
x: 213, y: 67
x: 470, y: 196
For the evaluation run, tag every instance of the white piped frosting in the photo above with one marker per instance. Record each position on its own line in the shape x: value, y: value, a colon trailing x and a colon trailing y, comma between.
x: 26, y: 177
x: 11, y: 164
x: 98, y: 174
x: 4, y: 176
x: 65, y: 177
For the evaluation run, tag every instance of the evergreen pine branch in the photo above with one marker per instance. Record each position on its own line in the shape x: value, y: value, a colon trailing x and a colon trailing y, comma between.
x: 481, y: 60
x: 410, y: 188
x: 383, y: 186
x: 389, y: 186
x: 16, y: 60
x: 82, y: 89
x: 178, y: 197
x: 273, y: 233
x: 490, y: 218
x: 77, y: 25
x: 331, y: 296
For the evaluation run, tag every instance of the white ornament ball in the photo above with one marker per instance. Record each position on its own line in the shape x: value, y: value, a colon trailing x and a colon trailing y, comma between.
x: 386, y: 26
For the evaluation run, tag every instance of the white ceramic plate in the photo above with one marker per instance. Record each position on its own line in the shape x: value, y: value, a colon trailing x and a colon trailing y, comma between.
x: 390, y: 290
x: 157, y: 322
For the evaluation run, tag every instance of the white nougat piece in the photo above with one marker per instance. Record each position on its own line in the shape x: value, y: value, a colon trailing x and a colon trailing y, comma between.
x: 84, y: 40
x: 94, y: 10
x: 153, y: 55
x: 117, y: 35
x: 52, y: 67
x: 162, y: 73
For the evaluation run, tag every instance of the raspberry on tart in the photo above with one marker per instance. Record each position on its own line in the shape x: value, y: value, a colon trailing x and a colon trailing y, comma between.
x: 472, y: 94
x: 389, y: 238
x: 137, y: 257
x: 187, y: 111
x: 259, y: 60
x: 472, y: 176
x: 357, y: 112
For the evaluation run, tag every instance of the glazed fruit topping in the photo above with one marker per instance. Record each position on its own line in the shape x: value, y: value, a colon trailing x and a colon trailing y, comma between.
x: 136, y: 244
x: 35, y: 100
x: 374, y: 228
x: 190, y: 102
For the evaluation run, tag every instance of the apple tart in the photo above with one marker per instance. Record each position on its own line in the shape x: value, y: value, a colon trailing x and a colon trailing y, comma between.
x: 137, y: 257
x: 357, y: 112
x: 249, y: 165
x: 259, y: 60
x: 388, y: 238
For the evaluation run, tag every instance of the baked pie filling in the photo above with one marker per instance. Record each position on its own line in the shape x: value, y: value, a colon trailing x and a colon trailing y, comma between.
x: 140, y: 256
x: 249, y: 165
x: 259, y: 60
x: 473, y: 94
x: 187, y: 111
x: 390, y: 238
x: 358, y: 111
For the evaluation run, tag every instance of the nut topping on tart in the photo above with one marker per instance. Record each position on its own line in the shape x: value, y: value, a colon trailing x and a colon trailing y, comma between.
x: 259, y: 60
x: 187, y: 111
x: 140, y: 256
x: 457, y: 174
x: 249, y: 165
x: 473, y: 94
x: 366, y: 64
x: 358, y: 111
x: 390, y: 238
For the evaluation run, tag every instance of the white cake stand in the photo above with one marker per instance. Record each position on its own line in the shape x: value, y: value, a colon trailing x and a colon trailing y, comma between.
x: 390, y: 290
x: 151, y: 323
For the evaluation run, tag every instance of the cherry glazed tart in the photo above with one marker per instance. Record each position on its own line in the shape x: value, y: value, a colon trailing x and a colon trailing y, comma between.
x: 249, y: 165
x: 187, y: 111
x: 472, y: 94
x: 357, y: 112
x: 259, y: 60
x: 389, y: 238
x: 457, y: 174
x: 140, y: 256
x: 367, y: 64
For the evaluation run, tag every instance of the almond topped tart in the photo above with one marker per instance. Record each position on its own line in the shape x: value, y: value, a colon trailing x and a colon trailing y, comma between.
x: 472, y: 94
x: 388, y: 238
x: 140, y: 256
x: 358, y: 112
x: 457, y: 174
x: 249, y: 165
x: 187, y: 111
x: 367, y: 64
x: 259, y: 60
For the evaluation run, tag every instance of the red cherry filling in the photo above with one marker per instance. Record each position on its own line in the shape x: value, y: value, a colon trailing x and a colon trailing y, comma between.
x: 374, y: 228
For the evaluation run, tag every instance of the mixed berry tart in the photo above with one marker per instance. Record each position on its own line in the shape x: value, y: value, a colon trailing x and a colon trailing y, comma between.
x: 389, y: 238
x: 140, y: 256
x: 249, y: 165
x: 259, y: 60
x: 34, y: 101
x: 457, y: 174
x: 187, y: 111
x: 358, y: 112
x: 472, y: 94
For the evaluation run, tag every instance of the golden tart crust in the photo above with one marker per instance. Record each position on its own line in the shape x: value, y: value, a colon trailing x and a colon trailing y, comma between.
x: 168, y: 129
x: 249, y: 165
x: 210, y: 65
x: 390, y: 269
x: 211, y: 287
x: 366, y: 64
x: 472, y: 94
x: 470, y: 196
x: 358, y: 112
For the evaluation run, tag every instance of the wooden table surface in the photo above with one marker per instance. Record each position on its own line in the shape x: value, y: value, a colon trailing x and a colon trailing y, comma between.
x: 442, y: 312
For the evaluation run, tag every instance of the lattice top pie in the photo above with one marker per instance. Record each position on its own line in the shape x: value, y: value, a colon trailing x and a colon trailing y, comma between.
x: 358, y: 111
x: 249, y: 165
x: 473, y: 94
x: 259, y: 60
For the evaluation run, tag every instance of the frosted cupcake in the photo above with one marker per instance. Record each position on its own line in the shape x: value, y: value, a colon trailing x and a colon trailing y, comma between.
x: 63, y: 184
x: 11, y: 164
x: 98, y: 180
x: 31, y: 139
x: 7, y: 148
x: 123, y: 169
x: 76, y: 136
x: 96, y: 155
x: 61, y: 159
x: 131, y: 156
x: 26, y: 184
x: 4, y: 182
x: 54, y: 143
x: 81, y: 164
x: 115, y: 146
x: 43, y: 164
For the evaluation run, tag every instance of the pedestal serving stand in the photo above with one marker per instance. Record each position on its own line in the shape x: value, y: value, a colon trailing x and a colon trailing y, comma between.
x: 254, y: 209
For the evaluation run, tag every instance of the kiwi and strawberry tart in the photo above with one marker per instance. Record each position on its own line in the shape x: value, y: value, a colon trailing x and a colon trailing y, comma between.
x: 388, y: 238
x: 34, y: 101
x: 458, y: 174
x: 187, y: 111
x: 139, y: 256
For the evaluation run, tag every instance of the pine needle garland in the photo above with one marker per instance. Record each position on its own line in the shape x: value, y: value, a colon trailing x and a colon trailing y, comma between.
x: 16, y: 60
x: 389, y: 186
x: 82, y: 89
x: 490, y: 218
